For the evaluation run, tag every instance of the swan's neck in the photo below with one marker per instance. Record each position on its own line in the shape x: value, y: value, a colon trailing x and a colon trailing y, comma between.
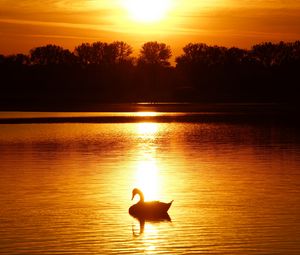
x: 141, y: 196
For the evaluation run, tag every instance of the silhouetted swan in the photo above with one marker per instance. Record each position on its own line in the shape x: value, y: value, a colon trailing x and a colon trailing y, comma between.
x: 148, y: 210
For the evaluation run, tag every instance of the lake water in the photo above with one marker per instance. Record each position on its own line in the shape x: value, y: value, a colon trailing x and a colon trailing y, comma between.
x: 66, y: 188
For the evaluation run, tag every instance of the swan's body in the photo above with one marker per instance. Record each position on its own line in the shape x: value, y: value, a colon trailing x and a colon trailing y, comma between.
x: 153, y: 209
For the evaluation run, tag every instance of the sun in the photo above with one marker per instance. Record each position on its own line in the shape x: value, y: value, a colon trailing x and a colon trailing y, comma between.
x: 147, y: 11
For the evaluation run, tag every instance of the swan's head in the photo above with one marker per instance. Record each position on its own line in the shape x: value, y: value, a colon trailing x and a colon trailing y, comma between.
x: 134, y: 192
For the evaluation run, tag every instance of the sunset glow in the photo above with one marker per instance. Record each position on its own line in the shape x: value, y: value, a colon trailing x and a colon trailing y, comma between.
x: 27, y: 24
x: 147, y: 11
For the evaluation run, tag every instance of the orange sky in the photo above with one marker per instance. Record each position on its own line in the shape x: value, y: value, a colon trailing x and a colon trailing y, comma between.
x: 25, y: 24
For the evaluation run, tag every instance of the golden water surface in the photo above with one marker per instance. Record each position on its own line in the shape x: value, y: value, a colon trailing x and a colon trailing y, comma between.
x: 66, y: 188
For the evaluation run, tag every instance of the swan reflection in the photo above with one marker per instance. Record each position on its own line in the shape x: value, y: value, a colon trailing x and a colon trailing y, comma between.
x: 150, y: 220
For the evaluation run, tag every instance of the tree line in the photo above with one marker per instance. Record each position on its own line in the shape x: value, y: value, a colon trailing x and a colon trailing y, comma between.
x: 102, y: 72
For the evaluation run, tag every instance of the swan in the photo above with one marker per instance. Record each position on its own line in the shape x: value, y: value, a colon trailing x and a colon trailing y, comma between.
x: 153, y: 209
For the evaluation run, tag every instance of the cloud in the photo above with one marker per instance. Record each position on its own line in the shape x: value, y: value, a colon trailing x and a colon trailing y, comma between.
x: 242, y: 20
x: 60, y: 11
x: 55, y: 24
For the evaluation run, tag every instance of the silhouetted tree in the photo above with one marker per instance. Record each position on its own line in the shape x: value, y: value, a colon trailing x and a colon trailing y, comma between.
x: 235, y: 56
x: 265, y: 53
x: 16, y: 60
x: 155, y: 53
x: 91, y: 53
x: 122, y: 52
x: 152, y: 71
x: 212, y: 72
x: 51, y: 55
x: 84, y: 53
x: 101, y: 53
x: 107, y: 72
x: 296, y: 50
x: 2, y: 59
x: 202, y: 55
x: 270, y: 54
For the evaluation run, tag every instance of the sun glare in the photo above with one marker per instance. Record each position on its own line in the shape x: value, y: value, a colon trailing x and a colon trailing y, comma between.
x: 148, y: 130
x: 147, y: 179
x: 146, y: 114
x: 147, y: 173
x: 147, y: 11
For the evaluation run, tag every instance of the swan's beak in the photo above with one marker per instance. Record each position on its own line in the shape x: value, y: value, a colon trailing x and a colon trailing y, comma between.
x: 132, y: 197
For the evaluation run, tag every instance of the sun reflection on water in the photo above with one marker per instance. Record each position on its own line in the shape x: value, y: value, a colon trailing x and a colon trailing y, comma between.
x: 151, y: 239
x: 146, y: 114
x: 147, y: 179
x: 147, y: 171
x: 147, y: 129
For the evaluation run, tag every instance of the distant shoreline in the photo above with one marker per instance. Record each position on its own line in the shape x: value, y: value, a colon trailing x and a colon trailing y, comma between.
x: 233, y: 112
x: 153, y: 107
